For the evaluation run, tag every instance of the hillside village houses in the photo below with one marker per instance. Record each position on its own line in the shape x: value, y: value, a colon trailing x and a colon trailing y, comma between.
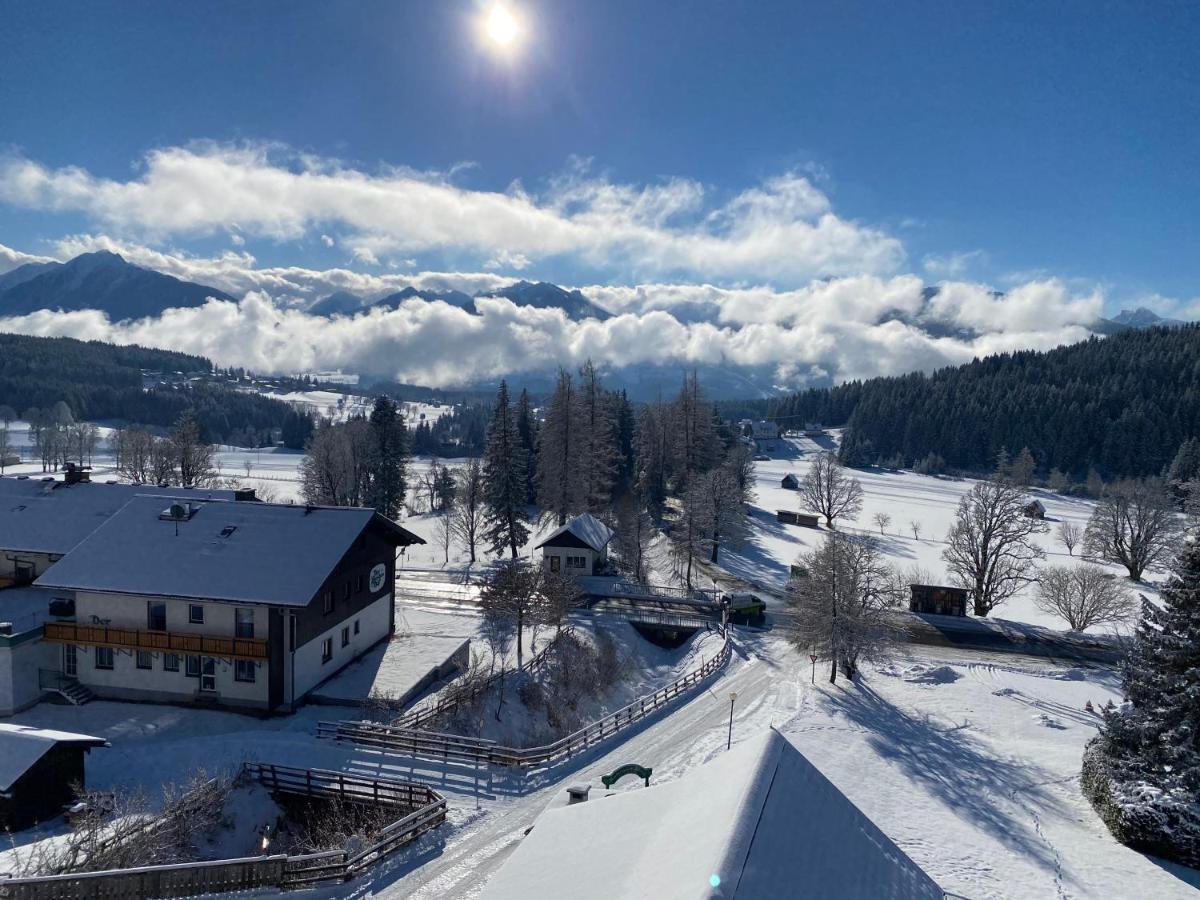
x: 184, y: 596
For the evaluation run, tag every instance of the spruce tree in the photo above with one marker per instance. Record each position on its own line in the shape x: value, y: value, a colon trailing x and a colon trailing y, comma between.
x: 527, y: 428
x: 561, y: 487
x: 387, y: 458
x: 598, y: 440
x: 1153, y: 741
x: 504, y: 473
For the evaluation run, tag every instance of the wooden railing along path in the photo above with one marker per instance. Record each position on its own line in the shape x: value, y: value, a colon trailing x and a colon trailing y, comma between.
x: 414, y: 742
x: 415, y: 718
x: 423, y: 809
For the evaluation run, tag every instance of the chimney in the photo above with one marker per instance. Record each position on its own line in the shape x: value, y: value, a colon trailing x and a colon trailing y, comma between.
x: 577, y: 793
x: 76, y: 474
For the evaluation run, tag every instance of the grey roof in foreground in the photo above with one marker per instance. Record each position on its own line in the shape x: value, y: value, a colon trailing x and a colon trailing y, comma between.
x: 23, y: 745
x: 761, y: 818
x: 39, y: 516
x: 587, y: 528
x: 227, y: 550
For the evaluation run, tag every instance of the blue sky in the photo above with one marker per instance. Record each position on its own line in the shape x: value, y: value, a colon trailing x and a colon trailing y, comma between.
x: 1051, y: 137
x: 996, y: 142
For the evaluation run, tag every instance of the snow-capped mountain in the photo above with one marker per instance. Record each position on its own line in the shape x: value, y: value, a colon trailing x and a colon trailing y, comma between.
x: 101, y: 280
x: 1133, y: 318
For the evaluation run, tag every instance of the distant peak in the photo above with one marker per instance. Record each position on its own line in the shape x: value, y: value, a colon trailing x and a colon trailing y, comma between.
x: 96, y: 259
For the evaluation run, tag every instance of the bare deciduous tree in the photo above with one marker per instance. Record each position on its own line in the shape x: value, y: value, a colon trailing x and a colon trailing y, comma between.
x: 1134, y: 525
x: 991, y: 550
x: 445, y: 535
x: 468, y: 513
x: 193, y: 457
x: 1069, y: 535
x: 1083, y: 596
x: 840, y: 605
x: 883, y: 520
x: 634, y: 531
x: 915, y: 527
x: 829, y: 491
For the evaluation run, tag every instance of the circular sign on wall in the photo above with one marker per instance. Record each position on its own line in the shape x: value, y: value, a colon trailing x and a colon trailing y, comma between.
x: 378, y: 577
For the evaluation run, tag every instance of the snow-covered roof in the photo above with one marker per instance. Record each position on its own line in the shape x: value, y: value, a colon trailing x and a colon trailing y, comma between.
x: 225, y: 550
x: 24, y: 607
x: 52, y: 516
x: 587, y: 528
x: 757, y: 821
x: 21, y: 746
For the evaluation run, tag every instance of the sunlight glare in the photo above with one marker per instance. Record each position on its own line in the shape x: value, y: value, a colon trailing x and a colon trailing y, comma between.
x: 502, y: 27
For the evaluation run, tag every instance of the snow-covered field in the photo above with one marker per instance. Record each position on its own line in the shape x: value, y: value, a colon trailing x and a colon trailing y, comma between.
x: 904, y: 496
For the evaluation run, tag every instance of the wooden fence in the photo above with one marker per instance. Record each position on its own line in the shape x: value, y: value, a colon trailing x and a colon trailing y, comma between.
x: 418, y: 717
x: 414, y: 742
x: 424, y: 809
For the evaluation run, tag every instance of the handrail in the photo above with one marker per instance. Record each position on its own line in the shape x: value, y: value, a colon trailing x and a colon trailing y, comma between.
x: 163, y: 641
x: 395, y: 737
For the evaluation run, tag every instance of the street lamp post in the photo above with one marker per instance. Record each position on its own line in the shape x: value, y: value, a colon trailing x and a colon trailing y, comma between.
x: 732, y: 698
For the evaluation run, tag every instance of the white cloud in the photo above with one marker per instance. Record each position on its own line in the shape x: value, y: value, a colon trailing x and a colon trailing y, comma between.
x: 326, y: 240
x: 506, y: 260
x: 364, y: 255
x: 783, y: 229
x: 11, y: 259
x: 952, y: 265
x: 841, y: 328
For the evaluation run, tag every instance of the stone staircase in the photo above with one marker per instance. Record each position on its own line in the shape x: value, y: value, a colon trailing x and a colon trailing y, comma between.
x: 66, y: 687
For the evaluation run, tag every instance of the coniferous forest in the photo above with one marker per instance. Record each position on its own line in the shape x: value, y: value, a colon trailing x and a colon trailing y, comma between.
x: 99, y: 381
x: 1121, y: 405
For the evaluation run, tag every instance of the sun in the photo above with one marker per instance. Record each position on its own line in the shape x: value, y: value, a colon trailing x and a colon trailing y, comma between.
x: 501, y: 27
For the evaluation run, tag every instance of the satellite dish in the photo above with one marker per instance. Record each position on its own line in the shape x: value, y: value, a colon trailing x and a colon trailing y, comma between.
x: 178, y: 511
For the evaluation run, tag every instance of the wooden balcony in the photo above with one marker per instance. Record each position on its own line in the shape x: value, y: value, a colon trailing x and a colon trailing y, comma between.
x: 160, y: 641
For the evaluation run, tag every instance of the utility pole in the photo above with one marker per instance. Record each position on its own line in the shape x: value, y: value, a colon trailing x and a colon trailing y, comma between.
x: 732, y: 699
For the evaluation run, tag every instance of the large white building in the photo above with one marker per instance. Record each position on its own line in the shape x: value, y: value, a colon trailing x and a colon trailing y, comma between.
x: 194, y: 599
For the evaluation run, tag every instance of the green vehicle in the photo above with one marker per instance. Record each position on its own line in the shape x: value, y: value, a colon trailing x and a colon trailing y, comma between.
x: 746, y: 609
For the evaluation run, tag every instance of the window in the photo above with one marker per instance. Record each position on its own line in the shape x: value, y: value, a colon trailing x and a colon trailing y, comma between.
x: 193, y: 667
x: 356, y: 626
x: 346, y: 590
x: 156, y: 616
x: 326, y: 650
x: 576, y: 562
x: 244, y: 670
x: 555, y: 564
x: 358, y: 584
x: 346, y: 636
x: 196, y: 614
x: 104, y: 657
x: 208, y: 673
x: 70, y: 660
x: 145, y: 659
x: 243, y: 624
x: 170, y: 662
x: 328, y: 602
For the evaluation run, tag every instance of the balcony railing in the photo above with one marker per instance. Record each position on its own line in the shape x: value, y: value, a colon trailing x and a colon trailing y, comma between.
x: 162, y: 641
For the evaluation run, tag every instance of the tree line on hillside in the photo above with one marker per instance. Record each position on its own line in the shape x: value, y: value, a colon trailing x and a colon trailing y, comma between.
x: 97, y: 381
x: 1120, y: 405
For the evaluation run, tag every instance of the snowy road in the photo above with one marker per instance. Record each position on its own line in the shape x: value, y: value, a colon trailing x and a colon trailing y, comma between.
x: 970, y: 765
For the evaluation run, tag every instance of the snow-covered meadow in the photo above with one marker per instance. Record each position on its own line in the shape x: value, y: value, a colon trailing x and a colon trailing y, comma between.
x: 929, y: 501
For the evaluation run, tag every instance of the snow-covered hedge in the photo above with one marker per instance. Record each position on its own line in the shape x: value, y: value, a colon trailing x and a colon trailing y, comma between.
x: 1164, y: 823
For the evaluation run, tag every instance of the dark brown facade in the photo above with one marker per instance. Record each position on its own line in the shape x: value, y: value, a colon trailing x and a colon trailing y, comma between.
x: 937, y: 599
x: 45, y: 789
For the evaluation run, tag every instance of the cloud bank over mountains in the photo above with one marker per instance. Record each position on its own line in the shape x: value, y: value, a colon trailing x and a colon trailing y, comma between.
x: 843, y: 328
x: 770, y: 278
x: 781, y: 229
